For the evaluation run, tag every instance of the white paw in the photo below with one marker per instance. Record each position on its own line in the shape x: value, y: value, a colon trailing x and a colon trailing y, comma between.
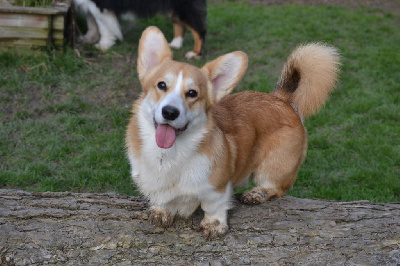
x: 192, y: 55
x: 213, y: 228
x: 104, y: 46
x: 159, y: 217
x: 176, y: 43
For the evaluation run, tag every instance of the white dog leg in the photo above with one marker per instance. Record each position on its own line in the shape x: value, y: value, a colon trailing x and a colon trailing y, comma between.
x: 92, y: 35
x: 179, y: 30
x: 112, y: 23
x: 109, y: 29
x: 216, y: 206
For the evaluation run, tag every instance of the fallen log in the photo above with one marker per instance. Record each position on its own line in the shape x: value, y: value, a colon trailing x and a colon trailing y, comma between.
x: 98, y: 229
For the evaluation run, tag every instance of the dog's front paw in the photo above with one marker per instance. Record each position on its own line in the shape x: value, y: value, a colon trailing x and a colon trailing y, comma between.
x: 255, y: 196
x: 159, y: 217
x: 213, y: 229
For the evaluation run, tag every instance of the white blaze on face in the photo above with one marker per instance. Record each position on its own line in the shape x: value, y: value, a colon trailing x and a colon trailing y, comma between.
x: 166, y: 129
x: 174, y: 99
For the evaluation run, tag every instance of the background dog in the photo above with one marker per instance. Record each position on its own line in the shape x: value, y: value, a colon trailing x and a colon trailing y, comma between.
x: 190, y: 142
x: 104, y: 28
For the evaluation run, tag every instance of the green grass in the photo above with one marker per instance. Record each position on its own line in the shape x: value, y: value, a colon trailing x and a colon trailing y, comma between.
x: 63, y: 117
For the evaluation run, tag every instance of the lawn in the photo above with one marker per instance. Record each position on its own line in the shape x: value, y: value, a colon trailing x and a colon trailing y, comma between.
x: 63, y: 116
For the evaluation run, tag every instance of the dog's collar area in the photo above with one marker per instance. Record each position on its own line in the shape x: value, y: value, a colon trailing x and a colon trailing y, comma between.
x: 178, y: 131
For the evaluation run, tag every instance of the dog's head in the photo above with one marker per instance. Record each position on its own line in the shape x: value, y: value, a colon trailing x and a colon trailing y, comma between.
x: 179, y: 95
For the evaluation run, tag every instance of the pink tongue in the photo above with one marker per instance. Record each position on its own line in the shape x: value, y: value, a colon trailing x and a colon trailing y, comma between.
x: 165, y: 136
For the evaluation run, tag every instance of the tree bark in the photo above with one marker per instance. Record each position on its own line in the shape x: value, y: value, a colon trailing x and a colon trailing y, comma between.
x: 101, y: 229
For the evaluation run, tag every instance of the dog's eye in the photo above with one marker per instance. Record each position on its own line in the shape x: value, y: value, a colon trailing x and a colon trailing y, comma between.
x: 162, y: 86
x: 191, y: 94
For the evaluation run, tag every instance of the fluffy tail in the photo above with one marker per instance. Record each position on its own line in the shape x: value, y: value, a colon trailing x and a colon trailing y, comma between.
x: 308, y: 77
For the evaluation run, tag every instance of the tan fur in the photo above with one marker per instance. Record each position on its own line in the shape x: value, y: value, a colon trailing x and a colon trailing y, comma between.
x: 179, y: 29
x: 260, y: 134
x: 318, y: 66
x: 215, y: 145
x: 244, y: 134
x: 133, y: 140
x: 198, y: 42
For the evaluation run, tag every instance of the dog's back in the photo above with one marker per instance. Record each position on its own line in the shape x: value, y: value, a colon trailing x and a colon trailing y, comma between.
x: 149, y: 8
x: 191, y: 12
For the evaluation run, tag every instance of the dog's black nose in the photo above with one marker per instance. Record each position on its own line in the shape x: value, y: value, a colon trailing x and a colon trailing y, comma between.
x: 170, y: 112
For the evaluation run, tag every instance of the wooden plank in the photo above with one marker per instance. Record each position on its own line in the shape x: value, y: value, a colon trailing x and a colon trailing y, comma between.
x: 32, y: 10
x: 26, y: 33
x: 30, y: 20
x: 29, y: 42
x: 13, y: 32
x: 58, y: 42
x: 20, y: 26
x: 10, y: 42
x: 58, y: 22
x: 58, y: 35
x: 22, y: 42
x: 49, y: 32
x: 23, y: 20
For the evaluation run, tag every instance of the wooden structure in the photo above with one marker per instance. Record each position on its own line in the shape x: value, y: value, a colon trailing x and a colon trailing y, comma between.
x: 32, y: 27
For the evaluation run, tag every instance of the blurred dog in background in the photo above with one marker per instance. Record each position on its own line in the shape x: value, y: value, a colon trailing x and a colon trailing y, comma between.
x: 104, y: 28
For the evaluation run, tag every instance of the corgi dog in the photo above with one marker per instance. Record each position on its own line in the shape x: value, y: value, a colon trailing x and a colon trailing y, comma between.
x: 103, y: 20
x: 190, y: 142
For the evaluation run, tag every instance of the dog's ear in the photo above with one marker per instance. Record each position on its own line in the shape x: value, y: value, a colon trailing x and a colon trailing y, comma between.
x: 153, y: 49
x: 225, y: 72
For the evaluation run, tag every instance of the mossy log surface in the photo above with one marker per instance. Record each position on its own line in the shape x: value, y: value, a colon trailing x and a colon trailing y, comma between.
x: 108, y: 229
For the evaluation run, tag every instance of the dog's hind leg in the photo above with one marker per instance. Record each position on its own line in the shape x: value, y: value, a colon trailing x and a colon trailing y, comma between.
x: 194, y: 17
x: 177, y: 41
x: 112, y: 23
x: 109, y: 30
x: 92, y: 35
x: 278, y: 169
x: 179, y: 31
x: 198, y: 45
